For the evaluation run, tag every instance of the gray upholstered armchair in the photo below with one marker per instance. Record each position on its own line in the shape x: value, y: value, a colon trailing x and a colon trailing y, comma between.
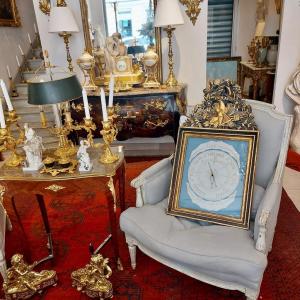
x: 227, y: 257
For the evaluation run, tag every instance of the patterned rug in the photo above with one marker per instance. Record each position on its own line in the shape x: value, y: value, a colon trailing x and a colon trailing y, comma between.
x: 293, y: 160
x: 78, y: 220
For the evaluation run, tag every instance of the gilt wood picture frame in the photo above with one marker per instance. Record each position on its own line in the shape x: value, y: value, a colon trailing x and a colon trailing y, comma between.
x: 213, y: 175
x: 9, y: 15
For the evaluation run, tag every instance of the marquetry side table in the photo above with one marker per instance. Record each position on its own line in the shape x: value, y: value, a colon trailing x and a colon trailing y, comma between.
x: 257, y: 74
x: 102, y: 178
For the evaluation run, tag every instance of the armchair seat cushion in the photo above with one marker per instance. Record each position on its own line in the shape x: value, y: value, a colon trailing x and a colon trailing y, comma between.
x: 220, y: 252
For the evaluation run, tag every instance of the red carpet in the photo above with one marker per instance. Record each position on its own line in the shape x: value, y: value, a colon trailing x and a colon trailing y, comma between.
x: 79, y: 220
x: 293, y: 160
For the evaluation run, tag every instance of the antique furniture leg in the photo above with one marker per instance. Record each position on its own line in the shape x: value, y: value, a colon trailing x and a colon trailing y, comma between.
x: 43, y: 210
x: 27, y: 251
x: 122, y: 187
x: 255, y: 88
x: 112, y: 205
x: 132, y: 251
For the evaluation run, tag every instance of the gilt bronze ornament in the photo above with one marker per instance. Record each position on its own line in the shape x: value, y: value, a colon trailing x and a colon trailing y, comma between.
x: 93, y: 278
x: 223, y: 107
x: 22, y: 282
x: 192, y: 9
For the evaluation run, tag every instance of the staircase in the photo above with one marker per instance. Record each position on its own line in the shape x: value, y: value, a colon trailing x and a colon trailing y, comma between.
x: 31, y: 113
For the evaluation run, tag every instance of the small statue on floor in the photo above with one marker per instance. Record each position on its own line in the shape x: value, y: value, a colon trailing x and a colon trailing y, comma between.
x: 85, y: 164
x: 22, y: 282
x: 92, y: 279
x: 33, y: 148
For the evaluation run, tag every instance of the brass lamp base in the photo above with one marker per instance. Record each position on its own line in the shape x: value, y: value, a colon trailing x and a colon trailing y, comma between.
x: 66, y: 36
x: 171, y: 81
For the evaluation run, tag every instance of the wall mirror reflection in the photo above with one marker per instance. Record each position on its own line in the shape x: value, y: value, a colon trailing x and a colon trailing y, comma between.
x: 122, y: 28
x: 242, y: 43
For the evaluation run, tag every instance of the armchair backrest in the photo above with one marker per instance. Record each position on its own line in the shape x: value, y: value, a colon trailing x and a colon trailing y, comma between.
x: 275, y: 129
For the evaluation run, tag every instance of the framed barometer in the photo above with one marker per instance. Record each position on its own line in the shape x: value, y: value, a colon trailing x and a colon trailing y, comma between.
x: 214, y: 174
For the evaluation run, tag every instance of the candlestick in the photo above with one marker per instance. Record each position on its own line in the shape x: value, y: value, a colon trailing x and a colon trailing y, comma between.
x: 35, y: 29
x: 103, y: 104
x: 18, y: 62
x: 21, y: 50
x: 2, y: 119
x: 29, y: 38
x: 111, y: 90
x: 56, y: 115
x: 6, y: 96
x: 8, y: 71
x: 86, y: 104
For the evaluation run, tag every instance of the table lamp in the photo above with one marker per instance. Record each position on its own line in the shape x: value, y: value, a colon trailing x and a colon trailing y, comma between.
x: 168, y: 15
x: 62, y: 21
x: 54, y: 87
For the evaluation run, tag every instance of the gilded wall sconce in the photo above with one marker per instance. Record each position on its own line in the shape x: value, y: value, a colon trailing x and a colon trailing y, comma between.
x: 192, y: 9
x: 45, y: 5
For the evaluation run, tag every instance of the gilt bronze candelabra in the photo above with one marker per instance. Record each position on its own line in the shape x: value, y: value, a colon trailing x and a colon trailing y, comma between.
x: 9, y: 143
x: 109, y: 133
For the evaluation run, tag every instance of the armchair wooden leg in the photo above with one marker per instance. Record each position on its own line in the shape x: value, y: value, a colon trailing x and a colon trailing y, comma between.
x: 3, y: 269
x: 132, y: 253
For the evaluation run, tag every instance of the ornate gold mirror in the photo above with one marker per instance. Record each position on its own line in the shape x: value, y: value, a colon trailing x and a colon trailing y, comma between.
x: 131, y: 19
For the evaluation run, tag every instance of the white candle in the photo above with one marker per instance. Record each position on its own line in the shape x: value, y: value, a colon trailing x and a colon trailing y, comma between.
x: 111, y: 90
x: 2, y: 119
x: 86, y: 104
x: 6, y: 95
x: 18, y: 61
x: 103, y: 104
x: 8, y: 71
x: 35, y: 29
x: 29, y: 38
x: 21, y: 50
x: 56, y: 115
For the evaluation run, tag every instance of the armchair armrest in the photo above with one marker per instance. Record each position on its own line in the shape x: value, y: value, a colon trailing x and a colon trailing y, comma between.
x: 265, y: 221
x: 153, y: 184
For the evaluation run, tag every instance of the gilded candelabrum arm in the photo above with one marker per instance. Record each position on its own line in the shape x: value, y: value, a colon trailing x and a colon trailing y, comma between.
x: 89, y: 126
x: 9, y: 142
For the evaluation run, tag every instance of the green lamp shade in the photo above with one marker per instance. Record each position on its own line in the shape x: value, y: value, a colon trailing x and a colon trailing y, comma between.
x: 43, y: 90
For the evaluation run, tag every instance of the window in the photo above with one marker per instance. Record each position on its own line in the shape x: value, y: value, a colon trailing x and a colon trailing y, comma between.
x: 219, y: 30
x: 125, y: 28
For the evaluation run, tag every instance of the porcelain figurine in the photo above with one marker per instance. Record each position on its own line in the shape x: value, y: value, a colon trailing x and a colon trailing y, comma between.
x: 33, y: 147
x: 293, y: 91
x: 85, y: 164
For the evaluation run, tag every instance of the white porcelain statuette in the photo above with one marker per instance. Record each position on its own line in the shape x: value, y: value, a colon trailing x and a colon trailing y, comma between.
x: 33, y: 148
x: 85, y: 164
x: 293, y: 91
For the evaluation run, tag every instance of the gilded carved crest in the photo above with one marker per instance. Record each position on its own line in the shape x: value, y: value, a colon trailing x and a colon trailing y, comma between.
x: 223, y: 107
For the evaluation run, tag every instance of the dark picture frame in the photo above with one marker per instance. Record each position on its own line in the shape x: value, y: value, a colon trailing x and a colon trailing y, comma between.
x: 213, y: 175
x: 9, y: 15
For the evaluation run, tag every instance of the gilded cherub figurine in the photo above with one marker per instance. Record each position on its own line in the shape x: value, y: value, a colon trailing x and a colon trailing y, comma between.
x: 22, y: 282
x: 92, y: 279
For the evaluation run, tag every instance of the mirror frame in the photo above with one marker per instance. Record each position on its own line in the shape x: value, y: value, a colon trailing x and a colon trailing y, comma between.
x: 88, y: 42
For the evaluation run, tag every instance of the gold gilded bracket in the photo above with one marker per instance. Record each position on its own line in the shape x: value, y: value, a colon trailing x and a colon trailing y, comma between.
x: 54, y: 187
x: 2, y: 192
x: 192, y: 9
x: 111, y: 187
